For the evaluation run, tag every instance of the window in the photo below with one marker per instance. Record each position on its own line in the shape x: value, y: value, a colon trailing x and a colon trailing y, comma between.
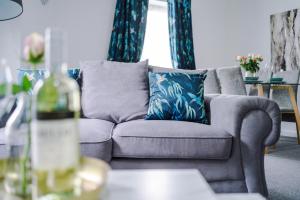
x: 157, y: 45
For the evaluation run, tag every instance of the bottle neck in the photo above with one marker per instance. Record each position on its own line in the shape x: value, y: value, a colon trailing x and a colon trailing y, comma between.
x: 54, y: 50
x: 54, y: 69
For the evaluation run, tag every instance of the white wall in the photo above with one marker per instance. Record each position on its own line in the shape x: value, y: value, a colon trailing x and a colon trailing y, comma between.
x: 255, y: 34
x: 216, y: 32
x: 225, y: 29
x: 222, y: 28
x: 88, y: 24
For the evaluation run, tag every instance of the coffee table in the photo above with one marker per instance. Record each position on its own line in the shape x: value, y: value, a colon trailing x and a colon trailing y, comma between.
x: 163, y: 185
x: 160, y: 185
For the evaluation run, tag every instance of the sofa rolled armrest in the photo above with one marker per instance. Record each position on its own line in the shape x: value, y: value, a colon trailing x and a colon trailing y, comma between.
x: 229, y: 112
x: 254, y: 122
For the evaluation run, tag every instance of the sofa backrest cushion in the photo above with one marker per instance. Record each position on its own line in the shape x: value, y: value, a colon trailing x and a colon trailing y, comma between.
x: 163, y: 69
x: 211, y: 83
x: 231, y: 81
x: 115, y: 91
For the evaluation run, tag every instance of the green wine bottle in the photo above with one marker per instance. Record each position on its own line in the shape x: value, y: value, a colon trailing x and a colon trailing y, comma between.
x: 55, y: 131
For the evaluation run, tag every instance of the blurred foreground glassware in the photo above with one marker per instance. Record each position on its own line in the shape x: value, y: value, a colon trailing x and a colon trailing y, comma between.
x: 17, y: 133
x: 6, y: 96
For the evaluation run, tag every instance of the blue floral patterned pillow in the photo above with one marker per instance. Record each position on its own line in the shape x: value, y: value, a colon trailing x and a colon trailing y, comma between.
x: 35, y: 75
x: 177, y: 96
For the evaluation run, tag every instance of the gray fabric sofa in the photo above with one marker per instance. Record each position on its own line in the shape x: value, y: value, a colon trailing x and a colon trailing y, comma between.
x: 229, y: 151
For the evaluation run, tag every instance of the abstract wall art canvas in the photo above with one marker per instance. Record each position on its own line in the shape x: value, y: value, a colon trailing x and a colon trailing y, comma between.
x: 285, y: 40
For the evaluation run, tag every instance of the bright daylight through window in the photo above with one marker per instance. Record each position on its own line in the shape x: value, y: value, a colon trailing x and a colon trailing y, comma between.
x: 156, y: 45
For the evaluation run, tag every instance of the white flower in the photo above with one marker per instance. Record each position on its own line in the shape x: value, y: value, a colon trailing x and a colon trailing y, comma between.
x: 238, y: 58
x: 26, y: 52
x: 34, y: 44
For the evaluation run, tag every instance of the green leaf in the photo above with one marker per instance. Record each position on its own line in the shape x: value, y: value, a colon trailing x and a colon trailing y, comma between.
x: 26, y: 84
x: 16, y: 89
x: 2, y: 89
x: 35, y: 60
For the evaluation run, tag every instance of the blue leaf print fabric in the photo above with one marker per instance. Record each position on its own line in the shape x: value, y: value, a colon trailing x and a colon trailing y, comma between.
x: 181, y: 34
x: 37, y: 74
x: 127, y: 38
x: 177, y: 96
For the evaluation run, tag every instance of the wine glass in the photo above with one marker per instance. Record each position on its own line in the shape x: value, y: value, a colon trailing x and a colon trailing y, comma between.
x: 6, y: 93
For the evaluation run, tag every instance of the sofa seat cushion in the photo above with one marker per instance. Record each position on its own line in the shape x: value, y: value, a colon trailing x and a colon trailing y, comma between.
x: 170, y: 139
x: 95, y: 138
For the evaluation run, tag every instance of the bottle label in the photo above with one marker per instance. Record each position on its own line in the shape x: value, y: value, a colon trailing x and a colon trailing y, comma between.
x: 55, y: 144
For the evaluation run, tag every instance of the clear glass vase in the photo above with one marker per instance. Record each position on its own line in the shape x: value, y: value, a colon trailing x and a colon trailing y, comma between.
x: 250, y: 74
x: 18, y: 173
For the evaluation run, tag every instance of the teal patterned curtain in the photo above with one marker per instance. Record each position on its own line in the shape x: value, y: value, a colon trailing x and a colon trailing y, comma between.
x: 181, y: 34
x: 127, y: 38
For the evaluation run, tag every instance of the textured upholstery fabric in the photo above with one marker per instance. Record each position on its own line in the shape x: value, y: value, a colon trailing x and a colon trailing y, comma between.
x: 256, y: 122
x: 114, y: 91
x: 236, y: 161
x: 282, y: 96
x: 231, y: 81
x: 170, y: 139
x: 177, y: 96
x: 95, y: 130
x: 95, y: 138
x: 211, y: 83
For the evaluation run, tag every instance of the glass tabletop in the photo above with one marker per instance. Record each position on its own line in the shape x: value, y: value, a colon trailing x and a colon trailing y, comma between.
x: 247, y: 82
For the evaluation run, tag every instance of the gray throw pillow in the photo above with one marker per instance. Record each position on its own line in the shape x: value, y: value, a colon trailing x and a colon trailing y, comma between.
x: 231, y: 81
x: 211, y: 83
x: 115, y: 91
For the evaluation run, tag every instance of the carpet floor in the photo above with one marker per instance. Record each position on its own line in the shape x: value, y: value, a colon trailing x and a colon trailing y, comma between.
x: 282, y: 167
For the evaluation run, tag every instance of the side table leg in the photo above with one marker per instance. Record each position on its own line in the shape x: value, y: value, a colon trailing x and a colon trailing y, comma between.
x: 260, y: 90
x: 296, y: 110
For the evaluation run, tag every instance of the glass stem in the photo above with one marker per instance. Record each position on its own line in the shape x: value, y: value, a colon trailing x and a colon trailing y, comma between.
x: 25, y: 158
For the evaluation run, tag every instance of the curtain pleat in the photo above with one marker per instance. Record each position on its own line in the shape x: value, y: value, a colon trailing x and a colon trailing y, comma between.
x: 127, y: 38
x: 181, y: 34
